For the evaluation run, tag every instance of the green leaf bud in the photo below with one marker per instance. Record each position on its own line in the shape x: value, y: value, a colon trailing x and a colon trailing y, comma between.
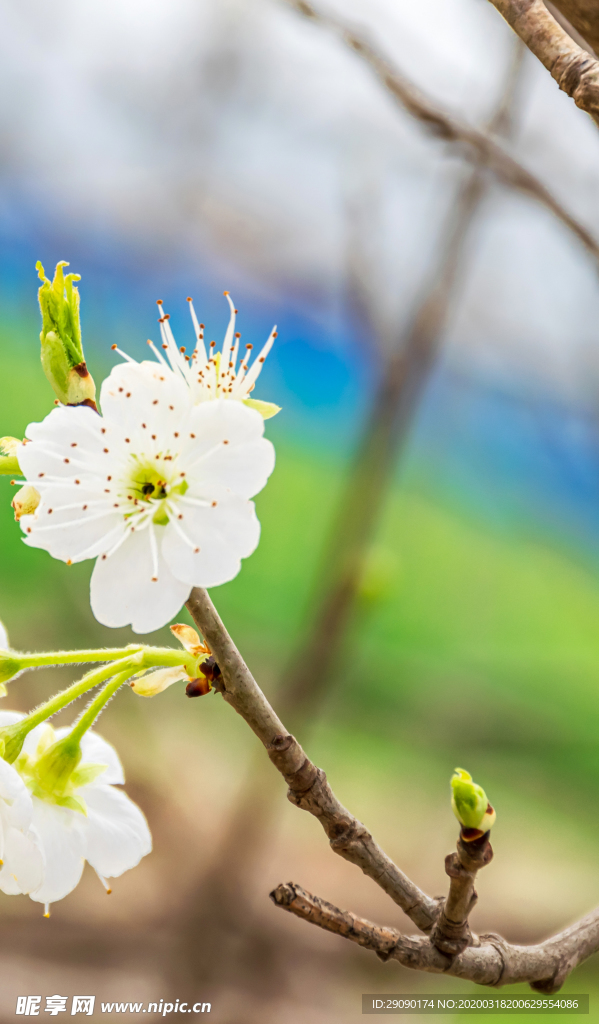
x: 470, y: 804
x: 63, y: 361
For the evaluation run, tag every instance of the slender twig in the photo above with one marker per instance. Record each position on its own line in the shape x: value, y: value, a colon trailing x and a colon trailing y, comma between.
x: 574, y: 69
x: 451, y: 933
x: 489, y: 960
x: 492, y: 962
x: 308, y: 786
x: 478, y: 145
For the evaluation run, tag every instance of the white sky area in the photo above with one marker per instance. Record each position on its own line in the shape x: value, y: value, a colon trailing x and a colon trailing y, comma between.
x: 235, y: 127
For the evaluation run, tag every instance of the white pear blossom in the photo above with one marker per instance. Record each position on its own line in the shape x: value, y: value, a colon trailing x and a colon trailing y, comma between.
x: 112, y: 836
x: 210, y: 374
x: 21, y: 856
x: 157, y: 489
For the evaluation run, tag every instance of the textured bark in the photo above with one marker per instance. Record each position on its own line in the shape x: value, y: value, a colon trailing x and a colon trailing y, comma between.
x: 492, y: 961
x: 488, y: 960
x: 308, y: 786
x: 451, y: 933
x: 584, y: 18
x: 575, y: 70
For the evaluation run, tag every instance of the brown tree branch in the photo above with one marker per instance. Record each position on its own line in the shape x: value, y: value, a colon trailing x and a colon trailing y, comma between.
x: 492, y: 961
x: 574, y: 69
x: 451, y: 933
x: 476, y: 144
x: 588, y: 40
x: 308, y: 786
x: 488, y: 961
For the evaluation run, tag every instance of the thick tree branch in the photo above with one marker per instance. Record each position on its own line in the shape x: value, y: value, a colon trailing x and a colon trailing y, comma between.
x: 492, y: 961
x: 574, y: 69
x: 308, y: 786
x: 476, y: 144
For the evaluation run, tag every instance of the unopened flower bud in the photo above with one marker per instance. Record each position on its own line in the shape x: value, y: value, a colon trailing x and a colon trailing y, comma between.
x: 9, y: 463
x: 470, y: 805
x: 25, y: 501
x: 62, y: 353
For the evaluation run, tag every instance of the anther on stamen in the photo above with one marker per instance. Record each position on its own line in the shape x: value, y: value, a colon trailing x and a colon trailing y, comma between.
x: 109, y: 478
x: 50, y: 511
x: 77, y: 481
x: 128, y: 395
x: 73, y: 444
x: 41, y: 474
x: 225, y: 442
x: 159, y: 302
x: 154, y: 579
x: 105, y: 450
x: 69, y: 561
x: 66, y: 460
x: 121, y: 389
x: 192, y: 435
x: 113, y: 347
x: 103, y: 430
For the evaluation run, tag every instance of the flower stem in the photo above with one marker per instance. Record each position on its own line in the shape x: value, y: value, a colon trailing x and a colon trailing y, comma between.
x: 90, y: 714
x: 35, y: 660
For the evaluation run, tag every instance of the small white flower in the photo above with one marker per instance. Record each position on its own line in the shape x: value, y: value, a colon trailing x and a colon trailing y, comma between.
x: 20, y: 849
x: 157, y: 489
x: 113, y: 836
x: 210, y: 374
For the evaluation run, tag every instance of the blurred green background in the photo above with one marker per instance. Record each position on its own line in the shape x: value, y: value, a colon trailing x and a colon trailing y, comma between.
x: 216, y: 145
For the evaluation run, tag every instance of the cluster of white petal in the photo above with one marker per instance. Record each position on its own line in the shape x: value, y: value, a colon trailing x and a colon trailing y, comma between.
x: 44, y: 846
x: 157, y: 489
x: 210, y: 374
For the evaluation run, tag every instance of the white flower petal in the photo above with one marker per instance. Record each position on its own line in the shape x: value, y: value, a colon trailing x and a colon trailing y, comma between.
x: 241, y: 465
x: 12, y: 786
x: 3, y: 638
x: 67, y: 443
x: 10, y: 717
x: 79, y: 539
x: 123, y: 591
x: 62, y: 836
x: 224, y: 535
x: 23, y: 868
x: 137, y: 393
x: 117, y: 832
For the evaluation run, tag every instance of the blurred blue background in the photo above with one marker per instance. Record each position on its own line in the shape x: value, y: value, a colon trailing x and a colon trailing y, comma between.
x: 185, y: 148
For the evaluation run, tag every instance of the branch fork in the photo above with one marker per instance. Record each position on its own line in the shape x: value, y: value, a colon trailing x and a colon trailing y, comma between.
x: 446, y: 946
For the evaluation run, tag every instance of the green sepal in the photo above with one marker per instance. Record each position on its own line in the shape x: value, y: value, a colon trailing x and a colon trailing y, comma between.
x: 86, y: 773
x: 9, y: 667
x: 266, y: 409
x: 75, y: 803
